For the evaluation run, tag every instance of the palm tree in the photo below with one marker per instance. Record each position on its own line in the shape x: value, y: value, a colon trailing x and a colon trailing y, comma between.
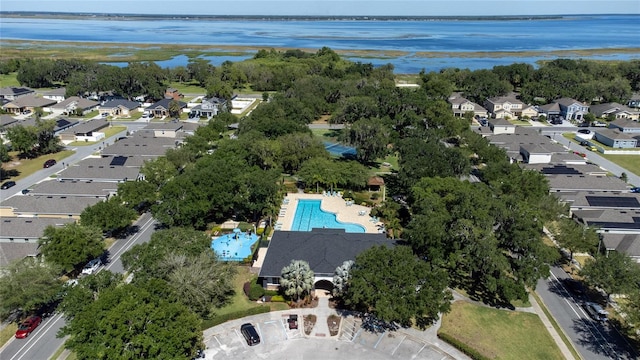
x: 297, y: 279
x: 341, y: 278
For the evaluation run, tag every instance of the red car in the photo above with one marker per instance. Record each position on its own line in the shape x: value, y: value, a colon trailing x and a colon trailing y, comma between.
x: 27, y: 326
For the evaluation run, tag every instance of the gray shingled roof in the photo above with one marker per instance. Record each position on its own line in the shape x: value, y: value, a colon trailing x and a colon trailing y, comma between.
x: 78, y: 102
x: 578, y: 200
x: 86, y: 127
x: 112, y: 104
x: 49, y: 205
x: 625, y: 243
x: 21, y: 228
x: 100, y: 169
x: 586, y: 183
x: 13, y: 251
x: 171, y: 126
x: 141, y: 146
x: 610, y: 219
x: 613, y: 134
x: 74, y: 188
x: 323, y: 249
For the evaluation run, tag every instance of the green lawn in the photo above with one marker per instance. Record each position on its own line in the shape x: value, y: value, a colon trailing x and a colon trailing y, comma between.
x: 188, y: 88
x: 629, y: 162
x: 8, y: 80
x: 499, y: 334
x: 26, y: 167
x: 239, y: 301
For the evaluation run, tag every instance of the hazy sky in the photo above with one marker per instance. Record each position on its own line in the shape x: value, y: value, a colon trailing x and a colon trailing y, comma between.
x: 330, y: 7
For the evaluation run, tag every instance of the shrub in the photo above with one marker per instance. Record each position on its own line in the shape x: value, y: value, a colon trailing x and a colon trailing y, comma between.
x: 271, y: 292
x: 217, y: 320
x: 468, y: 350
x: 254, y: 292
x: 375, y: 196
x: 259, y: 231
x: 277, y: 298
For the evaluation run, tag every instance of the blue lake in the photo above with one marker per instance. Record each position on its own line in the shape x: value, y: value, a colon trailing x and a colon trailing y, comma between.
x: 409, y: 36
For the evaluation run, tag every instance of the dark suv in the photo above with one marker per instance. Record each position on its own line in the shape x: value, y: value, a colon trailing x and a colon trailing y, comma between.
x: 49, y: 163
x: 250, y: 334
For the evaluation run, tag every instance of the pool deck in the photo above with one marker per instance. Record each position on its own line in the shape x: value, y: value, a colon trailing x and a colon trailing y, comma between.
x: 333, y: 204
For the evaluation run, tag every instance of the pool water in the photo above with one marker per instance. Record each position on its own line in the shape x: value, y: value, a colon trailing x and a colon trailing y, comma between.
x: 309, y: 215
x: 235, y: 246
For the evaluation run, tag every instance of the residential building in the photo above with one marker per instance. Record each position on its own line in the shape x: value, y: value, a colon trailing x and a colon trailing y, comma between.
x: 85, y: 131
x: 28, y: 102
x: 502, y: 107
x: 572, y: 109
x: 119, y: 107
x: 628, y: 244
x: 48, y: 206
x: 625, y: 126
x: 501, y: 126
x: 208, y: 108
x: 57, y: 94
x: 14, y: 92
x: 615, y: 139
x: 614, y: 111
x: 173, y: 94
x: 460, y: 106
x: 161, y: 108
x: 104, y: 169
x: 87, y: 188
x: 74, y: 105
x: 19, y: 236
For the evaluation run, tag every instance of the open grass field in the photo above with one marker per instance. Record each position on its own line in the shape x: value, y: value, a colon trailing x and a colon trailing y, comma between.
x: 8, y: 80
x: 500, y: 334
x: 629, y: 162
x: 20, y: 168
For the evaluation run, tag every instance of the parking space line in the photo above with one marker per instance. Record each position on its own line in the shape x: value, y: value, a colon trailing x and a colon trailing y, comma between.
x: 422, y: 348
x: 242, y: 339
x: 218, y: 341
x: 398, y: 346
x: 379, y: 339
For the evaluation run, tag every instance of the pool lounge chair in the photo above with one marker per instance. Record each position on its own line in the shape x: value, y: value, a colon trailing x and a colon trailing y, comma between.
x: 362, y: 212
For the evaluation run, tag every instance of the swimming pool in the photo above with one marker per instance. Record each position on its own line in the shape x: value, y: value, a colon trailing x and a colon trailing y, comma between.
x: 309, y: 215
x: 235, y: 246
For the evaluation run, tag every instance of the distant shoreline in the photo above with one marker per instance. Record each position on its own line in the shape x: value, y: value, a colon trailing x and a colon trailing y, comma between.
x: 126, y: 17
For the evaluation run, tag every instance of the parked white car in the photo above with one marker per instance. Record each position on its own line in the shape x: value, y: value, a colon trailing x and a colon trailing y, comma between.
x: 92, y: 266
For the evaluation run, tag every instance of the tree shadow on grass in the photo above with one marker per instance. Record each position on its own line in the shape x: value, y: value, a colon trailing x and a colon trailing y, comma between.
x: 8, y: 174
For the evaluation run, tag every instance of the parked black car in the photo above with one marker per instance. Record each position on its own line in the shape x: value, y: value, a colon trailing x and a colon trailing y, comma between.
x: 8, y: 184
x: 49, y: 163
x: 250, y: 334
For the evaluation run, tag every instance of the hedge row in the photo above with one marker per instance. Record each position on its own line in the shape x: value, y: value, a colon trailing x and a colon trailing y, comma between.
x: 466, y: 349
x: 235, y: 315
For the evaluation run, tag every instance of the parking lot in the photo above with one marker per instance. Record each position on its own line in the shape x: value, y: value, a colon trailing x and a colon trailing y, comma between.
x: 352, y: 342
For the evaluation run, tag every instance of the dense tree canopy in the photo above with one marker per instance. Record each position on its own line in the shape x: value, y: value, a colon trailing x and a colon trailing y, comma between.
x: 71, y: 245
x: 397, y: 286
x: 27, y: 284
x: 109, y: 216
x: 142, y: 321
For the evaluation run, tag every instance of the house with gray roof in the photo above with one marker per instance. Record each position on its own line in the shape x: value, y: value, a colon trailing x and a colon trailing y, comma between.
x: 28, y: 102
x: 628, y: 244
x: 612, y: 221
x: 74, y: 105
x: 96, y: 189
x: 323, y: 249
x: 501, y: 126
x: 568, y: 182
x: 85, y: 131
x: 615, y: 139
x: 501, y: 107
x: 167, y: 129
x: 106, y: 169
x: 46, y: 206
x: 568, y: 168
x: 57, y: 94
x: 14, y: 92
x: 614, y: 110
x: 19, y: 236
x: 161, y: 108
x: 460, y: 106
x: 572, y: 109
x: 594, y: 200
x: 208, y: 108
x: 535, y: 154
x: 626, y: 126
x: 141, y: 145
x: 120, y: 107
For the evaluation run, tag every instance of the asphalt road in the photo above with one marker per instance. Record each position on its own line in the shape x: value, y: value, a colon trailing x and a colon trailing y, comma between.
x: 593, y: 340
x: 43, y: 343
